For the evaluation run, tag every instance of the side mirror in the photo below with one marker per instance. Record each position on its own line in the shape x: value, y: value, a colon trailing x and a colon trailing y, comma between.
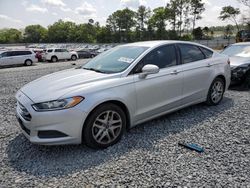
x: 149, y: 69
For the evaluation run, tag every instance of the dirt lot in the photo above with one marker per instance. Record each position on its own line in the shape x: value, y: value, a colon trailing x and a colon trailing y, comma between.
x: 148, y: 155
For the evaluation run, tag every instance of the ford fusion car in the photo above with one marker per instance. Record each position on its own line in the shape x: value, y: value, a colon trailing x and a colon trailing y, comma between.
x: 239, y: 54
x: 122, y: 87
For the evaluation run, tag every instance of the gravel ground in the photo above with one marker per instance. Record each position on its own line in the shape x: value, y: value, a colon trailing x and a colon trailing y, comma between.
x: 148, y: 155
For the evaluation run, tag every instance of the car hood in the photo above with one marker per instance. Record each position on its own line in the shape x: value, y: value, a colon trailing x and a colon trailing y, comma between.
x: 54, y: 86
x: 237, y: 61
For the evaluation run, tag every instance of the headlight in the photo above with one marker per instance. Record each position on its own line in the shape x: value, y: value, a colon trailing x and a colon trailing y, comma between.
x: 241, y: 69
x: 57, y: 104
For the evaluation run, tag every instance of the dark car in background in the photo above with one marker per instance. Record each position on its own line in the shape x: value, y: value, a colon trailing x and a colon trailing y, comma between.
x: 243, y: 36
x: 239, y: 54
x: 86, y: 53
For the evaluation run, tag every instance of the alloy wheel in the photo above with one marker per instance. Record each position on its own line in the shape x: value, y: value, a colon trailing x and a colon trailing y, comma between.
x: 217, y: 91
x: 107, y: 127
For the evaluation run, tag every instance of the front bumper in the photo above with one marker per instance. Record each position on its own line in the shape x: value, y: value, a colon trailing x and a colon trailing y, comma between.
x: 238, y: 75
x: 52, y: 127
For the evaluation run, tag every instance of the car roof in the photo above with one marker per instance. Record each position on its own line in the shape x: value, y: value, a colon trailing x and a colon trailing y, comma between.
x: 241, y: 44
x: 14, y: 50
x: 155, y: 43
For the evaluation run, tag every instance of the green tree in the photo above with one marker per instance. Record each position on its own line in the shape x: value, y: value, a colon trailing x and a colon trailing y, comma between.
x: 228, y: 32
x: 35, y: 33
x: 158, y: 22
x: 179, y: 17
x: 206, y: 31
x: 197, y: 8
x: 230, y: 13
x: 122, y: 21
x: 197, y: 33
x: 10, y: 36
x: 142, y: 16
x: 62, y: 31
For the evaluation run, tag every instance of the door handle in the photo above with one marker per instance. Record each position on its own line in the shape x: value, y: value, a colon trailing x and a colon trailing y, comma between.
x: 174, y: 72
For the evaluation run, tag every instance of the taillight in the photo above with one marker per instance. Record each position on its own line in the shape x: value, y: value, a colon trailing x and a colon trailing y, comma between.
x: 228, y: 62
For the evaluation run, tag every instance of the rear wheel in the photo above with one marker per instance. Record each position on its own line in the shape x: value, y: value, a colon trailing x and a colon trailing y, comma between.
x: 28, y: 62
x: 73, y: 57
x: 105, y: 126
x: 54, y: 59
x: 216, y: 92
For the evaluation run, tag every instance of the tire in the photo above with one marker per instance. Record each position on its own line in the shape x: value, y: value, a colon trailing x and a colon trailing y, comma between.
x: 216, y: 92
x: 54, y: 59
x: 28, y: 62
x: 73, y: 58
x: 99, y: 132
x: 92, y: 56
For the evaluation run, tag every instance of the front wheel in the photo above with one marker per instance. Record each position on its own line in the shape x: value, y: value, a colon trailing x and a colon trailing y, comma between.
x: 105, y: 126
x: 216, y: 92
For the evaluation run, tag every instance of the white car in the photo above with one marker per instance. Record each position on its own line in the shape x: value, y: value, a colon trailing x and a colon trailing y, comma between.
x: 15, y: 57
x: 119, y: 89
x: 55, y: 54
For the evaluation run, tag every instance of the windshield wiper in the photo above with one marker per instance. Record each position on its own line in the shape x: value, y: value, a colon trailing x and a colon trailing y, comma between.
x: 96, y: 70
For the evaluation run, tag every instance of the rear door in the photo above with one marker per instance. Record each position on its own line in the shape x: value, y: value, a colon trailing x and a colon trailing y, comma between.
x: 59, y: 54
x: 66, y: 54
x: 197, y: 70
x: 160, y: 92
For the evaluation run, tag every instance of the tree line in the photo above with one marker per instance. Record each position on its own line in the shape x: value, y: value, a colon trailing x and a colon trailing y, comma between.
x: 177, y: 20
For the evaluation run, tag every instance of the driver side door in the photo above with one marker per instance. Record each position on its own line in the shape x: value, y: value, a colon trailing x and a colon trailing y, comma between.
x: 160, y: 92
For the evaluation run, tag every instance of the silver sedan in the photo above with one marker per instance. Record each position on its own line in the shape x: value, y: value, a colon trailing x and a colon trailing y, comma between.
x: 119, y: 89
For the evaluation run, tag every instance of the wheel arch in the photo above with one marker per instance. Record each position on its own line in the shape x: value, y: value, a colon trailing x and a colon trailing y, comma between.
x: 118, y: 103
x: 223, y: 78
x: 28, y: 59
x: 54, y: 56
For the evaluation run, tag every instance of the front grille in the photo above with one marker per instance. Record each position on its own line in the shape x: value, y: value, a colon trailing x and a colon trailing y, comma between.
x: 23, y: 112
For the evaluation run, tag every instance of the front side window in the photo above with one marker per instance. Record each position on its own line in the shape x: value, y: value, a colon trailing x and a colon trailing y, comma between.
x: 190, y: 53
x: 115, y: 60
x: 49, y: 51
x: 58, y: 50
x: 162, y: 57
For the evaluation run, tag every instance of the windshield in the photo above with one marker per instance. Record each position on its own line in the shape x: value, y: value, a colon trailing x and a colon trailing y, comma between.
x: 237, y: 50
x: 115, y: 60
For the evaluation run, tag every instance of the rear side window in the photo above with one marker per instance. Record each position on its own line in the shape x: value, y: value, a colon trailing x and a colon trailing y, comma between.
x: 57, y: 50
x: 20, y: 53
x: 49, y: 51
x: 190, y: 53
x: 208, y: 53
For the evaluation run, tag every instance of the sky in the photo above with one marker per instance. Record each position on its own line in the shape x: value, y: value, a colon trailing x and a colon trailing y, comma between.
x: 20, y: 13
